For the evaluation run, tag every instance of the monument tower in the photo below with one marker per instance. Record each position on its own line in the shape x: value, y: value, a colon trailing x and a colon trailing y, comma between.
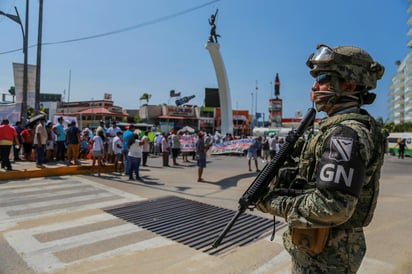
x: 275, y: 106
x: 223, y: 85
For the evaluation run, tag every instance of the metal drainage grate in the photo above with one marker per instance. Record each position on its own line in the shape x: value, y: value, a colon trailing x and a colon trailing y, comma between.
x: 194, y: 224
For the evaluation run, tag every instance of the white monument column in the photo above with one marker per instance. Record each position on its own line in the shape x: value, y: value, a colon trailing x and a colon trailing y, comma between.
x: 226, y: 116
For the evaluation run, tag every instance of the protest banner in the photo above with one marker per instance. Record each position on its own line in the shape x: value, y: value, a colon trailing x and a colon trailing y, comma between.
x: 231, y: 147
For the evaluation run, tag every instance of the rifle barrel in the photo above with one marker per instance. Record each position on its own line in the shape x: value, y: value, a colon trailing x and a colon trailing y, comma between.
x: 227, y: 228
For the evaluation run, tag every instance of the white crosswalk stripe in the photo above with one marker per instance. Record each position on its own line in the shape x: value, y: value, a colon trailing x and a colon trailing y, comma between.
x: 22, y: 210
x: 40, y: 255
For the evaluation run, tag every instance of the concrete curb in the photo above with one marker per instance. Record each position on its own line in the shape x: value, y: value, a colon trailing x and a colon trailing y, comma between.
x: 53, y: 171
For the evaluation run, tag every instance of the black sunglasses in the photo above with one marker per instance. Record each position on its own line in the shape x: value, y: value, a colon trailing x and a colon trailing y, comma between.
x: 323, y: 78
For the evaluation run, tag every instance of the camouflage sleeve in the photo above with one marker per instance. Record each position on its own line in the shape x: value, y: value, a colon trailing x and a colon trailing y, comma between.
x: 316, y: 209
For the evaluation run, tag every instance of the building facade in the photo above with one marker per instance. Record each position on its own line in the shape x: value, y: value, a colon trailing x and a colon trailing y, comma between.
x: 400, y: 91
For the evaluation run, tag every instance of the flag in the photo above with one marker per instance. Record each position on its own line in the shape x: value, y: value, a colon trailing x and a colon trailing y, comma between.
x: 173, y: 93
x: 258, y: 115
x: 107, y: 96
x: 277, y: 85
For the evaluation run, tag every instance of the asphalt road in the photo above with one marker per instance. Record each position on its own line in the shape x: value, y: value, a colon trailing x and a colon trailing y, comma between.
x: 58, y: 225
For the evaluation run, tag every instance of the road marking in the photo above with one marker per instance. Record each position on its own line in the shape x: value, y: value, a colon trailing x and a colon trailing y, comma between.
x: 21, y: 209
x: 11, y: 198
x: 23, y: 201
x: 15, y: 209
x: 40, y: 255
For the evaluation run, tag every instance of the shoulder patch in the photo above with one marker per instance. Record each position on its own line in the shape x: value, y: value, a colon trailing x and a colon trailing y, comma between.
x: 341, y: 148
x: 340, y: 166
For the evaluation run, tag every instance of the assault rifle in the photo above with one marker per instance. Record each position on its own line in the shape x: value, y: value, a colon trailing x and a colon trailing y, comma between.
x: 263, y: 179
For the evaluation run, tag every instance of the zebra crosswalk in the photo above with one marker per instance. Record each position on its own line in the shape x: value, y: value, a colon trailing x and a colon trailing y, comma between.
x: 53, y: 224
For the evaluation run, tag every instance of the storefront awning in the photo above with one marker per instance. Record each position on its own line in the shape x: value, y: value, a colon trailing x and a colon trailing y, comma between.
x: 176, y: 117
x: 97, y: 111
x: 239, y: 117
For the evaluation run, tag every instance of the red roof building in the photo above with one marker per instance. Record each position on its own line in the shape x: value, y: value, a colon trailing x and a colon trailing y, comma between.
x: 91, y: 112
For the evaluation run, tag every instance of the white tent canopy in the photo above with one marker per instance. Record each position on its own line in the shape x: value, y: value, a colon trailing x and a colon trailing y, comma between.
x: 186, y: 128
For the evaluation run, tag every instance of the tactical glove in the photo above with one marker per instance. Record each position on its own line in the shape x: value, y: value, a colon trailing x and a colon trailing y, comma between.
x: 270, y: 204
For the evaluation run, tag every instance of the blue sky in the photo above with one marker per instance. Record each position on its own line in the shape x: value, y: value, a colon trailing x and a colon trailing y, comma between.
x: 165, y: 47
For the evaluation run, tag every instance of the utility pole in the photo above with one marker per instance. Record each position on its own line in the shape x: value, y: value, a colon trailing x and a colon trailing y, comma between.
x: 25, y: 73
x: 38, y: 65
x: 251, y: 112
x: 70, y: 80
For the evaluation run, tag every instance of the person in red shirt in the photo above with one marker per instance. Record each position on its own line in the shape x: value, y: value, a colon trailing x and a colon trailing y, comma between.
x: 8, y: 134
x: 28, y: 136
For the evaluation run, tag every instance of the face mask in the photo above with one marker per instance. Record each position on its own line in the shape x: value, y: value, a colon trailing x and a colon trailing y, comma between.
x: 323, y: 99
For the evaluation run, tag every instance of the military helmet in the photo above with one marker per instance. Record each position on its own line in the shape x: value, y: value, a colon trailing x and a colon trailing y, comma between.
x: 350, y: 63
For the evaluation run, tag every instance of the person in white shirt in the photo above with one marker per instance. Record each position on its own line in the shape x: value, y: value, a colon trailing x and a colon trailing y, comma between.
x: 97, y: 152
x: 279, y: 145
x: 273, y: 141
x: 111, y: 133
x: 146, y: 147
x: 40, y: 141
x: 117, y: 150
x: 134, y: 156
x: 165, y: 149
x: 175, y: 146
x: 217, y: 137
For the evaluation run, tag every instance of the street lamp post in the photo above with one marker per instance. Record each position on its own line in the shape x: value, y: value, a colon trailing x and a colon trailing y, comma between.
x: 256, y: 103
x: 38, y: 63
x: 251, y: 125
x: 16, y: 18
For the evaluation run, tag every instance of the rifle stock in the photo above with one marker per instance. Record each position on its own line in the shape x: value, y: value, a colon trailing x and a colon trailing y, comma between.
x: 266, y: 175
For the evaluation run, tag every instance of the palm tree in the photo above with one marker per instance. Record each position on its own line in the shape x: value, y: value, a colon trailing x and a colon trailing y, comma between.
x: 145, y: 96
x: 12, y: 91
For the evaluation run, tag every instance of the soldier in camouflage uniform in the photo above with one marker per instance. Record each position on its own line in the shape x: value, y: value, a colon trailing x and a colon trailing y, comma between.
x: 337, y: 170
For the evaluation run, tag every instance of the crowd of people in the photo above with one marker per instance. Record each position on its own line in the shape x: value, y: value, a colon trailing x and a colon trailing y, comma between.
x: 132, y: 149
x: 265, y: 148
x: 40, y: 142
x: 43, y: 142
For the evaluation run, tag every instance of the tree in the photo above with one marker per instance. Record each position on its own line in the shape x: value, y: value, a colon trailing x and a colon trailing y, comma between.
x: 12, y: 91
x: 145, y: 96
x: 404, y: 127
x: 389, y: 126
x: 401, y: 127
x: 30, y: 112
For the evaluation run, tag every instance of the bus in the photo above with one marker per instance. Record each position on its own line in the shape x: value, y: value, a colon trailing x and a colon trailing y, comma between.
x: 264, y: 131
x: 394, y: 138
x: 143, y: 127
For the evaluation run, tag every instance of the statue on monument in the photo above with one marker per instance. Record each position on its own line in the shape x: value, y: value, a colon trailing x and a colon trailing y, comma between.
x: 213, y: 36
